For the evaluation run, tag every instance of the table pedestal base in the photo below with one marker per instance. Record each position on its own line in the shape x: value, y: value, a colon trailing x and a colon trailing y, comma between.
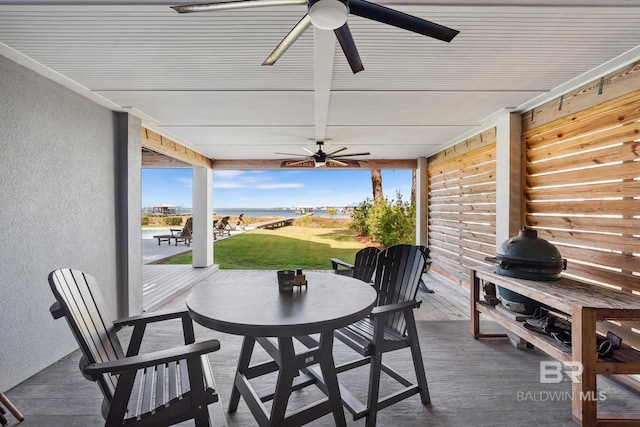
x: 288, y: 364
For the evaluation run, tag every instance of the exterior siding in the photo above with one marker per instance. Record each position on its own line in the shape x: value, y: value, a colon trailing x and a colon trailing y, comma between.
x: 58, y: 209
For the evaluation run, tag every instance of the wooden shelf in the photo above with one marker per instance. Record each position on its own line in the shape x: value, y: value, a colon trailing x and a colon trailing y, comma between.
x: 543, y: 342
x: 626, y: 360
x: 588, y: 306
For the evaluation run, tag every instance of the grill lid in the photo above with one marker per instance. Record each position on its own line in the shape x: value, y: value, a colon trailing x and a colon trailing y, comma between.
x: 528, y: 257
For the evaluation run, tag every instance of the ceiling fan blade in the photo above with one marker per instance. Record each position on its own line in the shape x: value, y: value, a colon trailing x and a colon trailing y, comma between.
x: 401, y: 20
x: 343, y: 34
x: 233, y: 4
x: 300, y: 162
x: 289, y: 39
x: 290, y: 154
x: 309, y: 151
x: 337, y: 150
x: 337, y: 162
x: 352, y: 155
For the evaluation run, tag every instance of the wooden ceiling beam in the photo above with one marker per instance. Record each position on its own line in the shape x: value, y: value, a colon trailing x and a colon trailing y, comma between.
x: 155, y: 142
x: 275, y: 164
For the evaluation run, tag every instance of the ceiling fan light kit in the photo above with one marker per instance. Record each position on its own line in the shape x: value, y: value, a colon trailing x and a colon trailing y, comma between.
x: 328, y: 14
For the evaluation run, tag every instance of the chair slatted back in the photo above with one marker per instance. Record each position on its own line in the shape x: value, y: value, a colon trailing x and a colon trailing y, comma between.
x: 398, y: 273
x: 84, y: 308
x: 187, y: 230
x: 224, y: 222
x: 365, y: 263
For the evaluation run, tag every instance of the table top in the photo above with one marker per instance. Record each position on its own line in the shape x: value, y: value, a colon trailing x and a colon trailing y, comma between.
x: 251, y: 304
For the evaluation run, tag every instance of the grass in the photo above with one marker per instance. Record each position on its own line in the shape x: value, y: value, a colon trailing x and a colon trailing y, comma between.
x: 308, y: 247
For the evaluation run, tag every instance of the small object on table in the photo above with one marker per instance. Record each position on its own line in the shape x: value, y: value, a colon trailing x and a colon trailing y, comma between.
x: 300, y: 280
x: 286, y: 280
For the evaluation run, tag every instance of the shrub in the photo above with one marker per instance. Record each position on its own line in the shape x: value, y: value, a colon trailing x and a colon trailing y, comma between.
x: 145, y: 220
x: 393, y: 223
x: 173, y: 220
x: 359, y: 217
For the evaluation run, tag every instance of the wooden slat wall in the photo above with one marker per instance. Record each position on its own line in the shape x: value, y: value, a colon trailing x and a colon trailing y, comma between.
x: 462, y: 206
x: 582, y: 189
x: 582, y: 193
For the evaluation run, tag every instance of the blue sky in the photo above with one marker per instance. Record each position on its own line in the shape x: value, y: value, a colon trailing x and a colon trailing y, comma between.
x: 272, y: 188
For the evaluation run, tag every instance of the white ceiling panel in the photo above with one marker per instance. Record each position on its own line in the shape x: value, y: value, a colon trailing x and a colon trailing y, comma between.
x: 198, y: 78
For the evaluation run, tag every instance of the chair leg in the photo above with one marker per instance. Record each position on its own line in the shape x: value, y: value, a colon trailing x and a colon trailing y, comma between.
x: 198, y: 394
x: 374, y: 389
x: 416, y: 354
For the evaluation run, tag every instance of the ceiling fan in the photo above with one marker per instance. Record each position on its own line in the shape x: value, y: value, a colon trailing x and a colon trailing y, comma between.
x: 332, y: 15
x: 320, y: 158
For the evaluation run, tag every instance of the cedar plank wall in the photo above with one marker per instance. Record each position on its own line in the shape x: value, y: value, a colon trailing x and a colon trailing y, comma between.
x: 582, y: 185
x: 462, y: 206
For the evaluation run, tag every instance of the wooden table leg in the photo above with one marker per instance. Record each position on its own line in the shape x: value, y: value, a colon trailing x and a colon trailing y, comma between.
x: 584, y: 406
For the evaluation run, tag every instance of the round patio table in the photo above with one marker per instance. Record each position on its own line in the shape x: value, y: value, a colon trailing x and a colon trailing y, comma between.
x: 255, y: 308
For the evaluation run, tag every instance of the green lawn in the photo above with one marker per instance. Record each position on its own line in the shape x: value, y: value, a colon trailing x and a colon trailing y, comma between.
x: 284, y: 248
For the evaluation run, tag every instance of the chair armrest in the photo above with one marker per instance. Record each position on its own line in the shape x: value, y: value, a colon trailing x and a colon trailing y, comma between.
x: 335, y: 262
x: 391, y: 308
x: 151, y: 317
x: 140, y: 361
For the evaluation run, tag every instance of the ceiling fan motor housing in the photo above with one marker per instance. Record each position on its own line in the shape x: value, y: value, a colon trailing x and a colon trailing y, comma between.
x: 328, y: 14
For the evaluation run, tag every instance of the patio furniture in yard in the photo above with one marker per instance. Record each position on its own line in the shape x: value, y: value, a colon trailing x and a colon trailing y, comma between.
x: 183, y: 234
x: 390, y: 326
x: 363, y: 267
x: 240, y: 222
x: 160, y: 388
x: 222, y: 227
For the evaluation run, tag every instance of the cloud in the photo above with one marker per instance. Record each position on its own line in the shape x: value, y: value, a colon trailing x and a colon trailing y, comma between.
x: 258, y: 180
x: 188, y: 182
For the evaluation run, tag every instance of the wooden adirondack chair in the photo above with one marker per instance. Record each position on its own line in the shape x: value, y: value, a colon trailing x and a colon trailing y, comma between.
x: 363, y: 267
x: 390, y: 326
x: 161, y: 388
x: 427, y: 264
x: 183, y: 234
x: 223, y: 227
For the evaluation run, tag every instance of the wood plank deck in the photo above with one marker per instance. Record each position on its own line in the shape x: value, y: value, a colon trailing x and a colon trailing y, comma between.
x: 160, y: 282
x: 472, y: 382
x: 273, y: 224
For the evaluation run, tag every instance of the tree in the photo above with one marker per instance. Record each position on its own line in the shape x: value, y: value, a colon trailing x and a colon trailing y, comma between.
x: 376, y: 183
x: 413, y: 187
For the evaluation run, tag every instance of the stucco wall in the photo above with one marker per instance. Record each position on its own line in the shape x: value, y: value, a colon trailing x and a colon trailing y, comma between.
x: 57, y: 209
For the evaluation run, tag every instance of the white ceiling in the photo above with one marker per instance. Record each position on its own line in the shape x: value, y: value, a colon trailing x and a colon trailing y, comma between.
x: 198, y: 78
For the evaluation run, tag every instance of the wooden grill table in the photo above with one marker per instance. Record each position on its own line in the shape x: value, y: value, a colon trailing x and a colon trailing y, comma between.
x: 589, y: 306
x: 257, y: 310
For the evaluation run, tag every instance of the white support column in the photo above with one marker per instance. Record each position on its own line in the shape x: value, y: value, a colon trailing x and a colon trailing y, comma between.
x: 202, y: 245
x: 509, y: 176
x: 422, y: 203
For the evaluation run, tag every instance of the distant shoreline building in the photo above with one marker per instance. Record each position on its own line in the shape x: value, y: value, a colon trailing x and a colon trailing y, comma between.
x: 166, y: 210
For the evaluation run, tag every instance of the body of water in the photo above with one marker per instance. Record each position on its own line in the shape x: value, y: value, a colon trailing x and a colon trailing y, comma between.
x: 253, y: 213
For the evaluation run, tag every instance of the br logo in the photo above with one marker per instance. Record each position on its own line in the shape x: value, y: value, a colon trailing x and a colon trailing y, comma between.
x: 551, y: 372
